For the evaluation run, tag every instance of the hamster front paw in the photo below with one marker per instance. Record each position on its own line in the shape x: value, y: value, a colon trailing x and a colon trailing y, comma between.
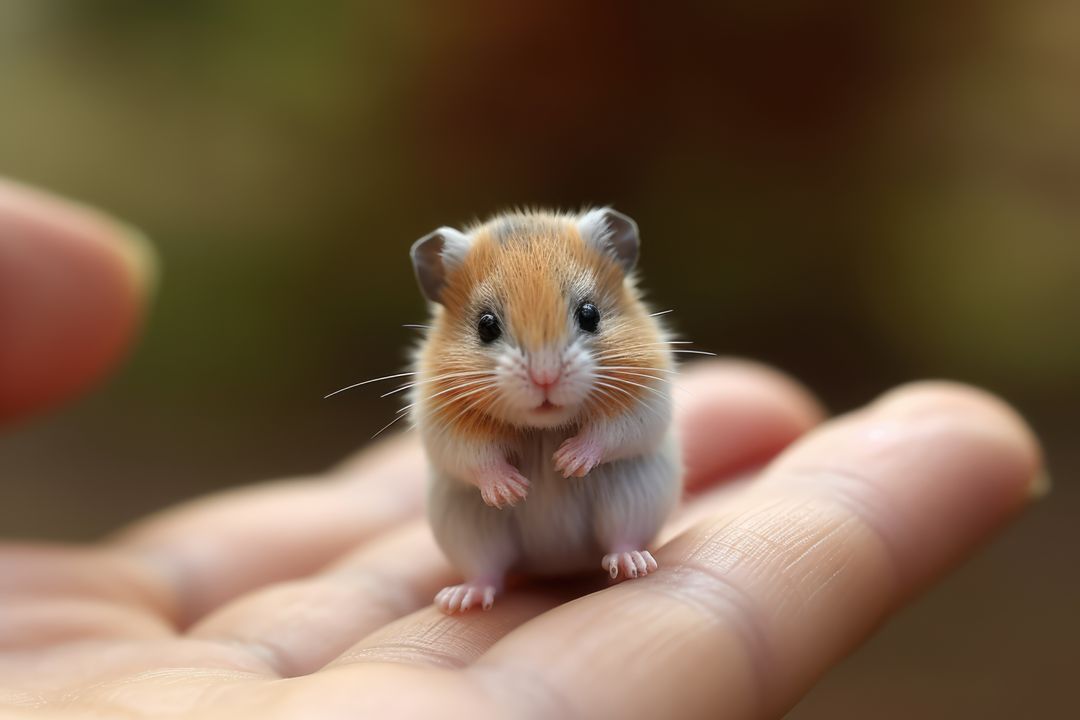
x: 577, y: 456
x: 502, y: 486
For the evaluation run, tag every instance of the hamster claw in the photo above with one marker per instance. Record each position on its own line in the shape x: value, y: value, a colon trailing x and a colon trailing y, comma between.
x: 459, y: 598
x: 633, y: 564
x: 503, y: 487
x: 577, y: 456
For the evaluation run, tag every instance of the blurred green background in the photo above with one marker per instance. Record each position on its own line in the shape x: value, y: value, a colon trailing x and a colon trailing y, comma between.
x: 859, y: 193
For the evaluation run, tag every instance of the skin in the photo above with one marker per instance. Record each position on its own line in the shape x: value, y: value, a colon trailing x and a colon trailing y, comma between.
x: 310, y: 597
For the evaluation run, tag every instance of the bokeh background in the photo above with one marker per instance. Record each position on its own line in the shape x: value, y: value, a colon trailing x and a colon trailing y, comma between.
x: 859, y: 193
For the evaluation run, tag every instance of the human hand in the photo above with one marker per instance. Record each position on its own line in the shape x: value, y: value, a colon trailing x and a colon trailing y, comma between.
x: 311, y: 598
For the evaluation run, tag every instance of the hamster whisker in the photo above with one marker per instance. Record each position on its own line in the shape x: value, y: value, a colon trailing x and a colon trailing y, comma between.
x: 625, y: 351
x: 431, y: 380
x: 623, y: 390
x: 368, y: 382
x: 618, y: 401
x: 662, y: 312
x: 618, y: 376
x: 631, y: 351
x: 463, y: 373
x: 483, y: 384
x: 640, y: 346
x: 386, y: 426
x: 400, y: 389
x: 617, y: 356
x: 630, y: 371
x: 415, y: 326
x: 403, y: 411
x: 470, y: 406
x: 670, y: 381
x: 438, y: 407
x: 661, y: 342
x: 642, y: 401
x: 446, y: 402
x: 636, y: 367
x: 631, y: 382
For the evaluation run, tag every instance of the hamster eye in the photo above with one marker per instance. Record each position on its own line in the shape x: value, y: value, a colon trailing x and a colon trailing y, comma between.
x: 487, y: 327
x: 588, y: 317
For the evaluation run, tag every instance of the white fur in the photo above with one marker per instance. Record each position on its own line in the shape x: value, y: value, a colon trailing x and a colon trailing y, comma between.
x: 594, y: 228
x: 565, y: 525
x: 456, y: 246
x: 636, y: 432
x: 521, y: 397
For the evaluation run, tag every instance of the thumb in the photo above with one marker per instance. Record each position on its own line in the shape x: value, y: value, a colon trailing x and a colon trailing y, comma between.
x: 72, y: 288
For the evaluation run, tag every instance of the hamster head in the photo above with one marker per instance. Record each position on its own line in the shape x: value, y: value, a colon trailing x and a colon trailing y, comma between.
x: 537, y: 323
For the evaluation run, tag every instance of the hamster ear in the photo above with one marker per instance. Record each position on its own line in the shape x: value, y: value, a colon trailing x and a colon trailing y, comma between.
x: 434, y: 256
x: 608, y: 229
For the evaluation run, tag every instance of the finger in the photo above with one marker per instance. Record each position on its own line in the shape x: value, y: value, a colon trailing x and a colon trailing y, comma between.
x: 734, y: 415
x: 72, y: 286
x: 748, y: 609
x: 54, y: 594
x: 38, y: 623
x: 432, y: 638
x: 301, y: 642
x: 298, y: 627
x: 211, y: 550
x: 38, y: 570
x: 215, y: 549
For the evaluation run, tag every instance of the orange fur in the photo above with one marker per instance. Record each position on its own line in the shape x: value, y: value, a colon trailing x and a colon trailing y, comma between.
x: 529, y: 265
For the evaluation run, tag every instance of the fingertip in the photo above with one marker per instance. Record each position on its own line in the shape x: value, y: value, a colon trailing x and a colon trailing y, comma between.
x: 933, y: 467
x: 741, y: 380
x: 73, y: 283
x: 136, y: 253
x: 984, y: 418
x: 734, y: 414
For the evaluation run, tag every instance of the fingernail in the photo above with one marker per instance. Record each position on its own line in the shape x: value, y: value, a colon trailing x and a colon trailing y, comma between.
x: 139, y: 256
x: 127, y: 242
x: 1040, y: 486
x: 132, y: 246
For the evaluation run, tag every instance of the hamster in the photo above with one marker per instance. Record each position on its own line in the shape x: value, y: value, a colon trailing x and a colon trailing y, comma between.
x: 543, y: 399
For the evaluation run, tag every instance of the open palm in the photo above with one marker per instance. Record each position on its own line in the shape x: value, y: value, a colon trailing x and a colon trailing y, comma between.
x: 312, y: 597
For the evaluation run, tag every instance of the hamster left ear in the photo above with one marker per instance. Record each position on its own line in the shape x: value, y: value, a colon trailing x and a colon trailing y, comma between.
x: 434, y: 256
x: 608, y: 229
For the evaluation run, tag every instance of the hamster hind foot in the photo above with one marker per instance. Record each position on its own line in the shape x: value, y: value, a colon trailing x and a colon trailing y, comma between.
x: 459, y: 598
x: 632, y: 564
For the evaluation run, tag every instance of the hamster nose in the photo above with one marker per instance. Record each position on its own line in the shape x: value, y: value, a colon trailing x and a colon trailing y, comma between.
x: 544, y: 378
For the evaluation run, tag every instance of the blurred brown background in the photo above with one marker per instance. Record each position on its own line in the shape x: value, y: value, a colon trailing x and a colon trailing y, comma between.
x: 858, y: 193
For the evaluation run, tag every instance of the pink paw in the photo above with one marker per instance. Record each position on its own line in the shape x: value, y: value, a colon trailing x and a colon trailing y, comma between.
x: 637, y: 563
x: 459, y: 598
x: 502, y: 486
x: 577, y: 456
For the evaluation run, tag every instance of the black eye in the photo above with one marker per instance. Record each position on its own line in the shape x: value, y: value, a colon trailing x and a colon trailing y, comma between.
x: 588, y: 317
x: 487, y: 327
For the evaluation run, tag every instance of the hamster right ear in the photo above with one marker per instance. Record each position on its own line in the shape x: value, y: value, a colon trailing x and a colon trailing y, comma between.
x: 434, y: 256
x: 608, y: 229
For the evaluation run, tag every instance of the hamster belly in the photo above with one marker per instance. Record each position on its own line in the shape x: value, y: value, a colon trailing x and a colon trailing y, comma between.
x: 566, y: 525
x: 554, y: 524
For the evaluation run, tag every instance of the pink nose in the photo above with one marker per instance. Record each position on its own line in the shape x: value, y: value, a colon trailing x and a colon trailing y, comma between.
x: 545, y: 377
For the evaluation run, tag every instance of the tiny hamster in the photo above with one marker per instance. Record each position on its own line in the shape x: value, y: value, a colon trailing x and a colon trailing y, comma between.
x: 543, y: 398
